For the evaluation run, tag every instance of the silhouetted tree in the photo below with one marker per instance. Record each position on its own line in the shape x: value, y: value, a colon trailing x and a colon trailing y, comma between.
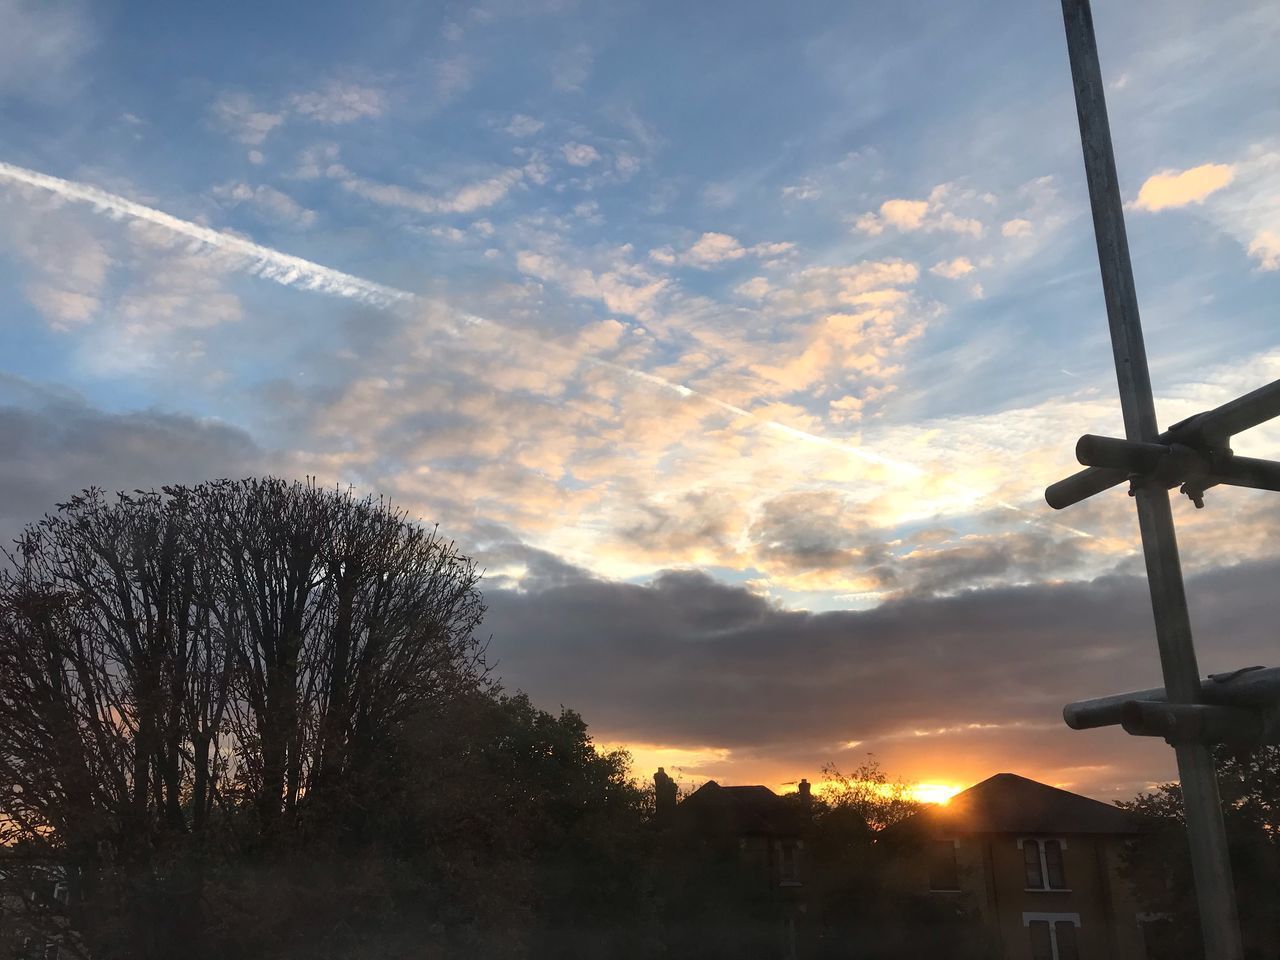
x: 490, y: 828
x: 1158, y: 864
x: 861, y: 909
x: 188, y: 672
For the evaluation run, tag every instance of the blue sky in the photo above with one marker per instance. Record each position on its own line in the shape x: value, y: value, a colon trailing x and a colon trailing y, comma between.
x: 800, y: 297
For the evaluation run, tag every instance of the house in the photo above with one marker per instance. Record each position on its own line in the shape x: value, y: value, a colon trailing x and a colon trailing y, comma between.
x: 34, y: 897
x: 747, y: 842
x: 1039, y: 864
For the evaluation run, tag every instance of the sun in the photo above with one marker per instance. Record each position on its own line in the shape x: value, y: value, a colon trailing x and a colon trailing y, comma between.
x: 934, y: 792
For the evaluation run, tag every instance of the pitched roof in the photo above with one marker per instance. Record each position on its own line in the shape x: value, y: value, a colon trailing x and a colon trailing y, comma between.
x: 1008, y: 803
x: 739, y: 810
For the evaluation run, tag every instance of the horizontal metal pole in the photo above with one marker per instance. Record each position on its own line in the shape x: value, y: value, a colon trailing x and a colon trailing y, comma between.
x: 1192, y: 722
x: 1257, y: 687
x: 1161, y: 459
x: 1082, y: 486
x: 1248, y: 472
x: 1209, y: 429
x: 1235, y: 416
x: 1106, y: 711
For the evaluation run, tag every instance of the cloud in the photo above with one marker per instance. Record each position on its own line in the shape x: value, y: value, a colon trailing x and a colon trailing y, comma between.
x: 1265, y: 248
x: 339, y: 103
x: 1016, y: 228
x: 1240, y: 198
x: 69, y: 263
x: 862, y: 319
x: 58, y: 446
x: 63, y: 308
x: 804, y: 190
x: 274, y: 204
x: 238, y: 115
x: 40, y: 46
x: 688, y: 661
x: 468, y: 198
x: 319, y: 160
x: 1173, y: 188
x: 904, y: 214
x: 713, y: 249
x: 952, y: 269
x: 756, y: 288
x: 623, y: 288
x: 931, y: 215
x: 523, y: 126
x: 580, y: 154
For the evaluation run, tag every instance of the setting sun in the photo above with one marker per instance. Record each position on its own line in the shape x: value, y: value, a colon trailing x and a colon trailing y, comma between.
x: 934, y: 792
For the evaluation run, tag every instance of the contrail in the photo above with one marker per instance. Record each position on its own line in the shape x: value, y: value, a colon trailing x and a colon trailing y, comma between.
x: 292, y: 271
x: 258, y: 260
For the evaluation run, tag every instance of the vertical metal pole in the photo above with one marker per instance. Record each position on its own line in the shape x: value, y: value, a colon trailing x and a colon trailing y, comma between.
x: 1209, y: 858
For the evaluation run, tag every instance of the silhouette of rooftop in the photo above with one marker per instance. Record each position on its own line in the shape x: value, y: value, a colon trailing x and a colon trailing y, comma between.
x: 1008, y: 803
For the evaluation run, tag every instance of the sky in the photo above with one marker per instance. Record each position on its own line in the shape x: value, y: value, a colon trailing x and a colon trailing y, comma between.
x: 735, y: 341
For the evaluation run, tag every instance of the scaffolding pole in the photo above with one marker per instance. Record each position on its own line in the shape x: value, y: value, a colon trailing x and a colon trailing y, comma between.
x: 1206, y: 833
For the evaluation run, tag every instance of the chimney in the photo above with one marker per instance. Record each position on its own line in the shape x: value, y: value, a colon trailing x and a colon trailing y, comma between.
x: 806, y: 792
x: 664, y: 789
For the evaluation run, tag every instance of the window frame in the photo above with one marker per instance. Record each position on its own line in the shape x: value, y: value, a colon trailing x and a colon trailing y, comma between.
x: 1042, y: 857
x: 1052, y: 920
x: 788, y: 852
x: 955, y: 861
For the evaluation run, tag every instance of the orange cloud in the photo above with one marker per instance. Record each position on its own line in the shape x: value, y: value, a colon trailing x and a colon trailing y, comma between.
x: 1171, y: 188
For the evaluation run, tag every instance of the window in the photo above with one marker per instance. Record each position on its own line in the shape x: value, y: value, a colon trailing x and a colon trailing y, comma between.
x: 1053, y: 935
x: 1041, y: 940
x: 1064, y: 936
x: 787, y: 861
x: 943, y: 874
x: 1042, y: 861
x: 1052, y: 853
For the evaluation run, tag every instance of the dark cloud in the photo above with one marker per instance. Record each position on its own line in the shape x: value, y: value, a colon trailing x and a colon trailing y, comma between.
x: 498, y: 550
x: 979, y: 678
x: 1032, y: 553
x: 699, y: 519
x: 810, y: 530
x: 59, y: 446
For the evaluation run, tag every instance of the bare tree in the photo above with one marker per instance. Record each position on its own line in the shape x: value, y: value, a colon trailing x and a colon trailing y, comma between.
x: 173, y: 661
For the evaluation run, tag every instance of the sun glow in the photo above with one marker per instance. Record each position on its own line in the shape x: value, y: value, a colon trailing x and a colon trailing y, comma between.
x: 940, y: 793
x: 928, y: 792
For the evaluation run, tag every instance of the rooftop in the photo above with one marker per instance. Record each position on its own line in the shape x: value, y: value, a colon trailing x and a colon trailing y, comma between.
x: 741, y: 810
x: 1008, y: 803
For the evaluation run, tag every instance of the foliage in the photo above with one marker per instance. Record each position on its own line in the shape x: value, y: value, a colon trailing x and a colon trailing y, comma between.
x: 489, y: 828
x: 867, y: 797
x: 187, y: 675
x: 1159, y: 863
x: 871, y: 911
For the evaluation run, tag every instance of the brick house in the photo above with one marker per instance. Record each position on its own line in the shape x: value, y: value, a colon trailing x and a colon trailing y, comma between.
x: 1041, y: 866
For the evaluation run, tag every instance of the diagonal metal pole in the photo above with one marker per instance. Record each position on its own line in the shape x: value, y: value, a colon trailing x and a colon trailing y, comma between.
x: 1209, y: 858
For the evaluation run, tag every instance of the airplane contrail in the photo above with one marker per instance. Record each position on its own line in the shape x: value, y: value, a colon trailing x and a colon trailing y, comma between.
x: 292, y: 271
x: 258, y: 260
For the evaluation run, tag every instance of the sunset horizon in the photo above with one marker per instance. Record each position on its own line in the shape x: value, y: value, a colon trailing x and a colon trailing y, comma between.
x: 741, y: 380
